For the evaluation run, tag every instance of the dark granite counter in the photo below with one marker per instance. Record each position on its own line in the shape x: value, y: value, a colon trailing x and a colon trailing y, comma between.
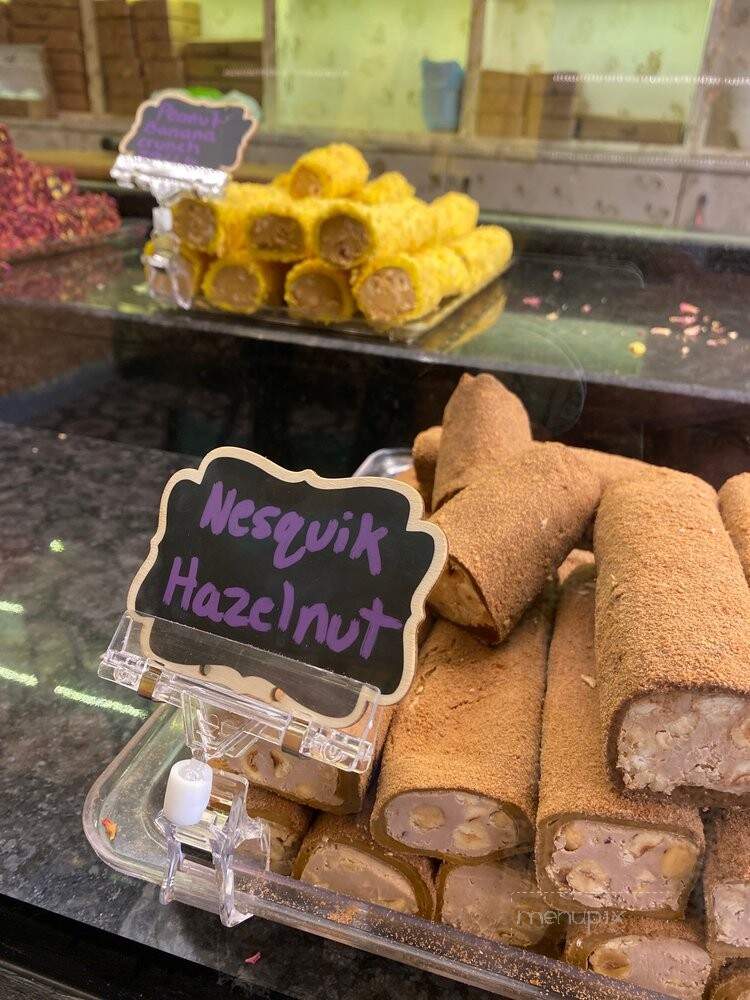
x: 75, y: 518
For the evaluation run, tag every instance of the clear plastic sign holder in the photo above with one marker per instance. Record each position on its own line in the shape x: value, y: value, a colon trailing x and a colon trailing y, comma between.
x: 204, y: 808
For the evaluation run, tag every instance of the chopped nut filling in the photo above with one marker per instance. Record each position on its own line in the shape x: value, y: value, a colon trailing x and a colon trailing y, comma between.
x: 317, y: 296
x: 456, y: 598
x: 235, y: 287
x: 678, y: 739
x: 277, y: 232
x: 386, y: 295
x: 731, y: 906
x: 305, y: 183
x: 343, y: 240
x: 345, y: 869
x: 194, y: 222
x: 301, y: 777
x: 498, y: 900
x: 666, y: 965
x: 455, y: 824
x: 606, y: 864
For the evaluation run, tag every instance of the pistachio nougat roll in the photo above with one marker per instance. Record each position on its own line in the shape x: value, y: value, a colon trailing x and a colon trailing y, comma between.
x: 458, y: 778
x: 672, y: 642
x: 595, y: 848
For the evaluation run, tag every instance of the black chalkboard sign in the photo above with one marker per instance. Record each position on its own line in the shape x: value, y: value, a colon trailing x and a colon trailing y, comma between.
x: 200, y: 133
x: 330, y: 572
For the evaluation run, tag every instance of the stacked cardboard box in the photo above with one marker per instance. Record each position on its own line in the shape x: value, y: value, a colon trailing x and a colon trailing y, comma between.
x: 551, y: 106
x: 226, y: 65
x: 162, y: 27
x: 56, y: 25
x: 121, y: 67
x: 630, y: 129
x: 500, y: 103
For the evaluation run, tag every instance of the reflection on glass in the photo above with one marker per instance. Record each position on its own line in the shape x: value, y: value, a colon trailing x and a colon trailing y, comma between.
x: 106, y: 703
x: 28, y: 680
x: 11, y: 608
x: 57, y: 545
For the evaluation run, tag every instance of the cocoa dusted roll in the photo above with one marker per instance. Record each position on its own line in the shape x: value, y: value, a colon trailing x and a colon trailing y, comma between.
x: 499, y: 900
x: 483, y: 424
x: 726, y: 883
x: 424, y: 454
x: 507, y: 533
x: 288, y: 823
x: 734, y: 504
x: 667, y: 956
x: 731, y: 982
x: 339, y: 854
x: 573, y: 561
x: 458, y: 778
x: 312, y: 782
x: 596, y: 849
x: 672, y: 642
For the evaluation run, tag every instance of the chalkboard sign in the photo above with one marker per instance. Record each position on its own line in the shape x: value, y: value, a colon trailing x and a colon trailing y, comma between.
x: 329, y: 572
x: 180, y: 129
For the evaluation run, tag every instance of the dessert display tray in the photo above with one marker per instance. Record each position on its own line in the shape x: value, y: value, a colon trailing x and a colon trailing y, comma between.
x: 130, y: 793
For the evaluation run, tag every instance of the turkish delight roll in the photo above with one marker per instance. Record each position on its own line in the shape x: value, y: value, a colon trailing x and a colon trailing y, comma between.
x: 499, y: 900
x: 734, y: 504
x: 672, y: 642
x: 507, y: 534
x: 278, y: 227
x: 349, y: 233
x: 667, y: 956
x: 318, y: 291
x: 390, y: 186
x: 458, y: 779
x: 424, y: 454
x: 313, y: 782
x: 240, y: 283
x: 596, y: 849
x: 732, y: 981
x: 339, y: 854
x: 487, y: 251
x: 455, y: 215
x: 334, y: 171
x: 215, y: 225
x: 288, y: 823
x: 483, y: 424
x: 400, y: 287
x: 726, y: 883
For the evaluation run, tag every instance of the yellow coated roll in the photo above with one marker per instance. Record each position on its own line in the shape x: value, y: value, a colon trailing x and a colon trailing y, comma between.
x: 240, y: 283
x: 397, y: 288
x: 348, y: 233
x: 486, y: 251
x: 391, y: 186
x: 335, y: 171
x: 282, y: 180
x: 318, y: 291
x: 191, y: 269
x: 278, y: 227
x: 214, y: 225
x: 455, y: 215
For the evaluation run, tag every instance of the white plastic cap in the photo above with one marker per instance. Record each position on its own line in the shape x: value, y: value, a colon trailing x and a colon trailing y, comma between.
x: 188, y: 792
x: 162, y: 219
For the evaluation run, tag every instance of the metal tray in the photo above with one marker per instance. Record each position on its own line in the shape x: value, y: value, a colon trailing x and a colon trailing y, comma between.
x: 131, y: 790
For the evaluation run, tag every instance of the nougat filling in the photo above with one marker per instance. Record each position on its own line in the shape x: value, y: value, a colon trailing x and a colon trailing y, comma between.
x: 606, y: 864
x: 277, y: 233
x: 680, y: 739
x: 498, y: 900
x: 731, y: 913
x: 194, y: 222
x: 345, y: 869
x: 455, y: 597
x: 305, y: 183
x: 235, y: 288
x: 317, y: 296
x: 299, y: 777
x: 386, y: 295
x: 666, y: 965
x: 343, y: 240
x: 284, y: 845
x: 447, y: 823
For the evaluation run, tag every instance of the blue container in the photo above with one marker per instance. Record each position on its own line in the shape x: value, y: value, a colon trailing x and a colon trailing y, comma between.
x: 441, y: 94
